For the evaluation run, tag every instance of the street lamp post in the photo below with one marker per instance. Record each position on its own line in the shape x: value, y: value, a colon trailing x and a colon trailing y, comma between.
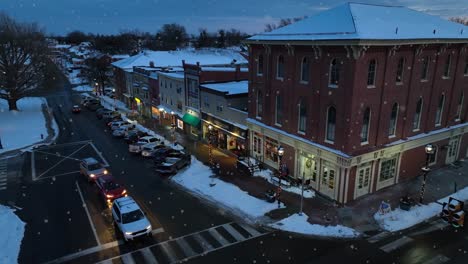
x: 430, y: 150
x: 210, y: 154
x: 280, y: 158
x: 173, y: 126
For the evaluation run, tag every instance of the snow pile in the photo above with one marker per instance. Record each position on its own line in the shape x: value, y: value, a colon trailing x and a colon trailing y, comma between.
x: 12, y: 230
x: 110, y: 103
x: 400, y: 219
x: 83, y: 88
x: 22, y: 128
x: 73, y: 77
x: 197, y: 179
x: 267, y: 175
x: 298, y: 224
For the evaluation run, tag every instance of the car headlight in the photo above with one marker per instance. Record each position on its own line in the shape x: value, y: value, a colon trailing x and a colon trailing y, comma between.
x: 128, y: 233
x: 105, y: 172
x: 109, y: 195
x: 148, y: 227
x: 124, y: 191
x: 92, y: 175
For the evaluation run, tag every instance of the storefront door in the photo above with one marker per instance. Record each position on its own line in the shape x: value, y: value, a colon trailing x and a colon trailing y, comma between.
x: 328, y: 178
x: 363, y: 180
x: 308, y: 171
x: 452, y: 151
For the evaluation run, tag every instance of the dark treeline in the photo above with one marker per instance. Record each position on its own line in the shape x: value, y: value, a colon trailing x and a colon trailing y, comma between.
x: 169, y: 37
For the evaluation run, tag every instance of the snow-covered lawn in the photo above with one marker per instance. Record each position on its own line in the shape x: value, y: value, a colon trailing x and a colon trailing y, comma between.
x: 400, y: 219
x: 266, y: 174
x: 196, y: 178
x: 298, y: 224
x: 12, y: 232
x: 22, y: 128
x: 83, y: 88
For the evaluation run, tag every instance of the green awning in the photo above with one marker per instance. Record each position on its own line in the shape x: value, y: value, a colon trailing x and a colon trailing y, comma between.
x: 191, y: 120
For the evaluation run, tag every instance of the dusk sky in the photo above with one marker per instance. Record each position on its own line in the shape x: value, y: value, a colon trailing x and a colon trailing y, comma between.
x: 113, y: 16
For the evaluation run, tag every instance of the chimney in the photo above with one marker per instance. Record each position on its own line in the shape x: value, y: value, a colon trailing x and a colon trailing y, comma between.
x: 151, y: 64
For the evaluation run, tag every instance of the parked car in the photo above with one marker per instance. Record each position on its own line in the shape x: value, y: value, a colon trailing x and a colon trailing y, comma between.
x: 150, y: 148
x: 117, y: 124
x: 172, y: 165
x: 76, y: 109
x: 134, y: 135
x: 86, y: 98
x: 109, y: 120
x: 94, y: 106
x: 137, y: 147
x: 130, y: 219
x: 160, y: 155
x: 105, y: 113
x: 120, y: 132
x: 88, y: 101
x: 109, y: 188
x: 92, y: 169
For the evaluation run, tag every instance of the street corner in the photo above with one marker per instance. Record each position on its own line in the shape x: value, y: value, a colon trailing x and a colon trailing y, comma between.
x: 62, y: 159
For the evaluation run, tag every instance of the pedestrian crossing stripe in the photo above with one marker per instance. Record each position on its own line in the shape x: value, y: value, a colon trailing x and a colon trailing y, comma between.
x: 187, y: 251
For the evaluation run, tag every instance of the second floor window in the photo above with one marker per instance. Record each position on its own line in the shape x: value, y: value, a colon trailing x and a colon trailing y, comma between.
x: 400, y: 68
x: 260, y: 65
x: 460, y: 106
x: 448, y: 61
x: 371, y: 73
x: 424, y: 68
x: 331, y: 123
x: 302, y: 116
x: 365, y: 126
x: 440, y: 110
x: 305, y: 70
x: 279, y: 110
x: 259, y: 103
x: 417, y: 115
x: 334, y: 73
x: 465, y: 69
x: 280, y: 67
x: 393, y: 120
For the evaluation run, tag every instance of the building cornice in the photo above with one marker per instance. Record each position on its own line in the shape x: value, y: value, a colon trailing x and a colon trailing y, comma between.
x: 358, y: 42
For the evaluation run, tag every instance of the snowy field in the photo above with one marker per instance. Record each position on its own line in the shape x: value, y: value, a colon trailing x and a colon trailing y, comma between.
x: 196, y: 178
x: 400, y: 219
x: 298, y: 224
x: 12, y: 230
x: 22, y: 128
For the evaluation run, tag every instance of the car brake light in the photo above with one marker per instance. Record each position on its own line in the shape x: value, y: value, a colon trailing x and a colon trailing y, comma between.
x: 92, y: 175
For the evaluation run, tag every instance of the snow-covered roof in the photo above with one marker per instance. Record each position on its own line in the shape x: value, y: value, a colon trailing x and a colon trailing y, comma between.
x: 228, y: 69
x: 120, y: 56
x: 176, y: 75
x: 174, y: 58
x: 355, y: 21
x: 62, y: 46
x: 229, y: 87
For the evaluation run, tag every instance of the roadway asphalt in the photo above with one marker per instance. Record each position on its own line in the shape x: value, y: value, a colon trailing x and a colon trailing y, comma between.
x: 68, y: 222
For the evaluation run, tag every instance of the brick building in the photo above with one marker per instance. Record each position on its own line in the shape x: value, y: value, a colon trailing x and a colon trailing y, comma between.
x: 354, y: 93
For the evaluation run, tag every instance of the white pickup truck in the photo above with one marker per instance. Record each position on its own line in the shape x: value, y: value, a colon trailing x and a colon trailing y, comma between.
x: 137, y: 147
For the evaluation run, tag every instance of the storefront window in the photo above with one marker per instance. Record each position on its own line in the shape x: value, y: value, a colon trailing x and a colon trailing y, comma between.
x: 387, y: 169
x: 271, y: 148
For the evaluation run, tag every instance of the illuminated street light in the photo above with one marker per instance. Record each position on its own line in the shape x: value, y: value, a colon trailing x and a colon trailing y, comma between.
x: 430, y: 150
x: 280, y: 158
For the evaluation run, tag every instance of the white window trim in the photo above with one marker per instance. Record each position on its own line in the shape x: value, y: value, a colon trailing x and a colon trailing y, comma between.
x: 419, y: 117
x: 439, y: 122
x: 326, y: 128
x: 396, y: 121
x: 375, y: 74
x: 302, y: 81
x: 371, y: 176
x: 277, y: 68
x: 371, y: 86
x: 368, y: 129
x: 391, y: 181
x: 258, y: 66
x: 460, y: 108
x: 299, y: 120
x: 330, y: 84
x: 276, y: 111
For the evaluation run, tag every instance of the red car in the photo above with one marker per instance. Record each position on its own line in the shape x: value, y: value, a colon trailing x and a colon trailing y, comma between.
x: 110, y: 189
x: 76, y: 109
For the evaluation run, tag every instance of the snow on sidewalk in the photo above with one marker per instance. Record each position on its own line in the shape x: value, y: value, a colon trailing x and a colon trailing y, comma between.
x: 196, y: 178
x: 12, y: 232
x: 22, y: 128
x: 400, y: 219
x: 298, y: 224
x: 266, y: 174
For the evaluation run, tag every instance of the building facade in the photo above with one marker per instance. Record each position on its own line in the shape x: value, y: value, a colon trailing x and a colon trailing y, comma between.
x: 172, y: 98
x: 354, y: 113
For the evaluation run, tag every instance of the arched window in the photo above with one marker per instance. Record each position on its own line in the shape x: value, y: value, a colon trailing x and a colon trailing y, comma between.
x: 331, y: 122
x: 417, y: 115
x: 400, y: 68
x: 305, y: 70
x: 393, y: 120
x: 280, y: 67
x: 371, y: 73
x: 424, y: 68
x: 334, y: 73
x: 448, y: 61
x: 365, y: 126
x: 302, y: 109
x: 440, y: 110
x: 460, y: 106
x: 279, y: 110
x: 259, y: 103
x: 260, y: 65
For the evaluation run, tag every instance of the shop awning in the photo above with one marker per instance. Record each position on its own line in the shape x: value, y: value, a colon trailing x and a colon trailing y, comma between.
x: 191, y: 120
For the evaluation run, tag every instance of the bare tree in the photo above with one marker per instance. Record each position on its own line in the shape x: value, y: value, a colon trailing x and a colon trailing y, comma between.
x: 461, y: 20
x: 23, y: 58
x: 283, y: 22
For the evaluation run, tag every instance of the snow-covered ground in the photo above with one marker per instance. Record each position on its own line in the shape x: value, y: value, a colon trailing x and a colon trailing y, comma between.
x: 298, y: 224
x: 400, y: 219
x: 22, y: 128
x: 196, y: 178
x: 266, y: 174
x: 112, y: 104
x: 73, y: 77
x: 12, y: 232
x: 83, y: 88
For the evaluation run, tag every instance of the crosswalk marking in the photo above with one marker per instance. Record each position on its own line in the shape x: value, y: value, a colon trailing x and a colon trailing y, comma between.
x: 435, y: 225
x: 396, y: 244
x: 107, y: 261
x: 3, y: 175
x: 233, y: 232
x: 205, y: 245
x: 378, y: 237
x: 439, y: 259
x: 168, y: 251
x: 218, y: 237
x: 148, y: 256
x: 188, y: 251
x: 250, y: 230
x: 127, y: 259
